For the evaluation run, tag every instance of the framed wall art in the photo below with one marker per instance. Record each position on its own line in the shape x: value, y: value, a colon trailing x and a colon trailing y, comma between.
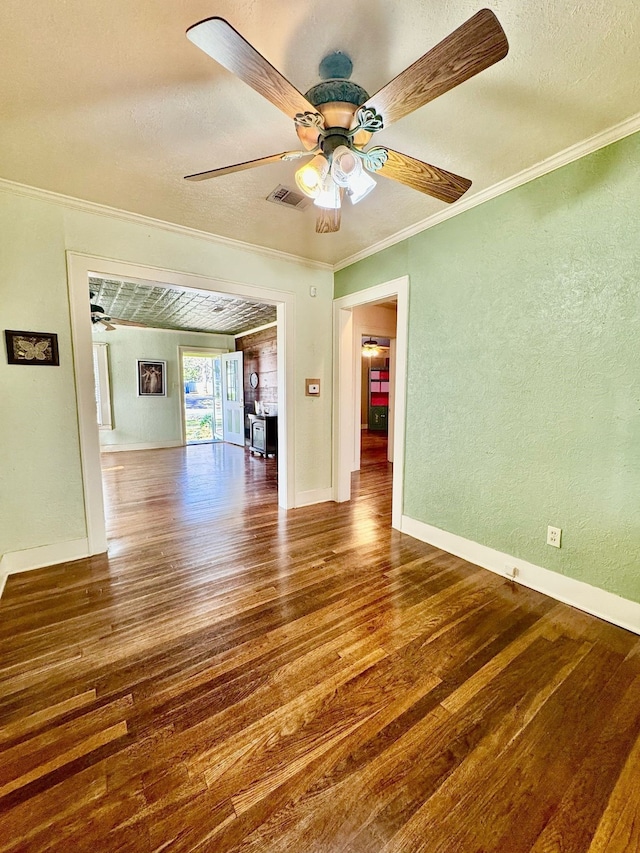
x: 152, y: 378
x: 39, y: 348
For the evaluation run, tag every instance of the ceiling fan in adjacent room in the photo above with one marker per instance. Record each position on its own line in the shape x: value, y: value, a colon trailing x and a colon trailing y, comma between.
x: 336, y: 119
x: 99, y: 316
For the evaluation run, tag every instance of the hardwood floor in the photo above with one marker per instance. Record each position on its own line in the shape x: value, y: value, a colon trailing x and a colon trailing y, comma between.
x: 233, y: 677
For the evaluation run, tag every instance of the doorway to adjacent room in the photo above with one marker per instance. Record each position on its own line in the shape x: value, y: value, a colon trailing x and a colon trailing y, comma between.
x: 202, y: 396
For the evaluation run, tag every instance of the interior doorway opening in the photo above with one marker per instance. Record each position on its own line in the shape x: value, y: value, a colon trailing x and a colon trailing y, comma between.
x: 373, y: 423
x: 350, y: 324
x: 202, y: 397
x: 84, y: 268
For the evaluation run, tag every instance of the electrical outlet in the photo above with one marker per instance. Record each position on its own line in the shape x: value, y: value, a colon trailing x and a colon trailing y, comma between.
x: 553, y: 536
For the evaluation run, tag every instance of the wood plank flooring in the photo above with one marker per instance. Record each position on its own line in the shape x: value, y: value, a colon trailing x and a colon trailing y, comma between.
x: 233, y: 677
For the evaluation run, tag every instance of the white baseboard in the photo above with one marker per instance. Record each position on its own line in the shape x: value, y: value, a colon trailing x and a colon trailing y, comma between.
x: 612, y: 608
x: 314, y: 496
x: 36, y: 558
x: 145, y: 445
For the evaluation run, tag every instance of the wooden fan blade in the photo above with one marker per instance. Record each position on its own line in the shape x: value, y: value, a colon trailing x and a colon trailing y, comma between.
x: 327, y: 221
x: 119, y: 322
x: 476, y: 45
x: 421, y: 176
x: 250, y: 164
x: 217, y: 38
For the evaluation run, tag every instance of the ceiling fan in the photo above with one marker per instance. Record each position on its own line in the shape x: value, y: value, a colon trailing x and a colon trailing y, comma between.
x: 336, y: 119
x: 99, y: 316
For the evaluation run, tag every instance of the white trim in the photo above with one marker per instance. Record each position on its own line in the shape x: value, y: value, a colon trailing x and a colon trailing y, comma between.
x: 314, y: 496
x: 591, y: 599
x: 103, y: 383
x: 197, y: 350
x: 79, y: 268
x: 257, y: 329
x: 139, y: 219
x: 143, y: 445
x: 344, y: 423
x: 285, y: 366
x: 144, y: 329
x: 550, y: 164
x: 14, y: 562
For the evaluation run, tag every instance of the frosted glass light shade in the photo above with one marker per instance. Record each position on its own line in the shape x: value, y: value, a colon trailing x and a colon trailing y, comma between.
x: 310, y: 177
x: 329, y: 196
x: 345, y: 167
x: 360, y: 186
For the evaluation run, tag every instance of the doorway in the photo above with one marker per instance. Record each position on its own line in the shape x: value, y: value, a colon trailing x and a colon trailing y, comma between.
x: 375, y: 412
x: 80, y: 269
x: 348, y: 384
x: 202, y: 396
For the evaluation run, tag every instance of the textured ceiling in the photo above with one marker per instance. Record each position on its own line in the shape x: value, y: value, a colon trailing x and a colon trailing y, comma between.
x: 162, y: 307
x: 110, y: 102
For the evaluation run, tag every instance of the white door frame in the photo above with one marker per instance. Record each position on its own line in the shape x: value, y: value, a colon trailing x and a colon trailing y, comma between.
x: 79, y: 268
x: 210, y: 352
x: 345, y: 366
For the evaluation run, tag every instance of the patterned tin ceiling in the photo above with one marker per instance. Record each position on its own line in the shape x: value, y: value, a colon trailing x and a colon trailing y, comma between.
x: 162, y: 307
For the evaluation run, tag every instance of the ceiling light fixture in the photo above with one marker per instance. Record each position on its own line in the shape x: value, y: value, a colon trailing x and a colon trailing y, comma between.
x: 359, y: 187
x: 311, y: 176
x: 329, y: 195
x: 370, y: 348
x: 336, y: 119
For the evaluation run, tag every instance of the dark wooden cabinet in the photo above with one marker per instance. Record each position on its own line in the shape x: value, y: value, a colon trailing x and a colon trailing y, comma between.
x: 263, y: 434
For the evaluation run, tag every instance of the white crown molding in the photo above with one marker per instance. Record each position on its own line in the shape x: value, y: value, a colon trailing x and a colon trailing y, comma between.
x: 597, y: 602
x: 172, y: 331
x: 140, y: 219
x: 563, y: 158
x: 257, y: 329
x: 550, y: 164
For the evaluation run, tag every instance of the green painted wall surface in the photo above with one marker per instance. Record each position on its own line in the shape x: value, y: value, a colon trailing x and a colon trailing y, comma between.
x: 41, y: 497
x: 523, y: 401
x: 40, y: 486
x: 139, y: 420
x: 376, y: 269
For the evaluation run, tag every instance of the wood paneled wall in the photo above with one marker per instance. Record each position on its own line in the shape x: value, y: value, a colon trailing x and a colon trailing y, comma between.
x: 260, y: 355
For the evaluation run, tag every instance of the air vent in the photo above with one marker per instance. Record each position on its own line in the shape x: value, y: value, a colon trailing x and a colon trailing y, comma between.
x: 289, y: 198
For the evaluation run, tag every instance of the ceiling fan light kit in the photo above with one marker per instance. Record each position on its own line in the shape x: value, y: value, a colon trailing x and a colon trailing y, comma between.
x: 336, y: 119
x: 329, y: 196
x: 310, y: 177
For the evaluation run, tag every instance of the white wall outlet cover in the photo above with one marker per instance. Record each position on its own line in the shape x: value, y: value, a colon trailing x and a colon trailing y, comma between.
x: 554, y: 535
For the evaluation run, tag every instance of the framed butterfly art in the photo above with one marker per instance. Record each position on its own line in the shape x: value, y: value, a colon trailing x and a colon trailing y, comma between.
x: 32, y: 348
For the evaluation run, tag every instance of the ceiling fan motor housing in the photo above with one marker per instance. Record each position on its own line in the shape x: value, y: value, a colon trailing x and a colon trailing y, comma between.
x: 337, y: 102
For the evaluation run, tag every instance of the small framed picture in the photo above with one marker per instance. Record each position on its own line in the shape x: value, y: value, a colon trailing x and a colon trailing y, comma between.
x: 152, y: 378
x: 32, y: 348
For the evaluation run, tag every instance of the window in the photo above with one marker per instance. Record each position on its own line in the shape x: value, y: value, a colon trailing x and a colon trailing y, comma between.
x: 101, y: 382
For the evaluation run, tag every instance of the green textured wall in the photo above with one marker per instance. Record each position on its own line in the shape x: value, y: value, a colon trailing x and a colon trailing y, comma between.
x: 523, y: 400
x: 139, y: 420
